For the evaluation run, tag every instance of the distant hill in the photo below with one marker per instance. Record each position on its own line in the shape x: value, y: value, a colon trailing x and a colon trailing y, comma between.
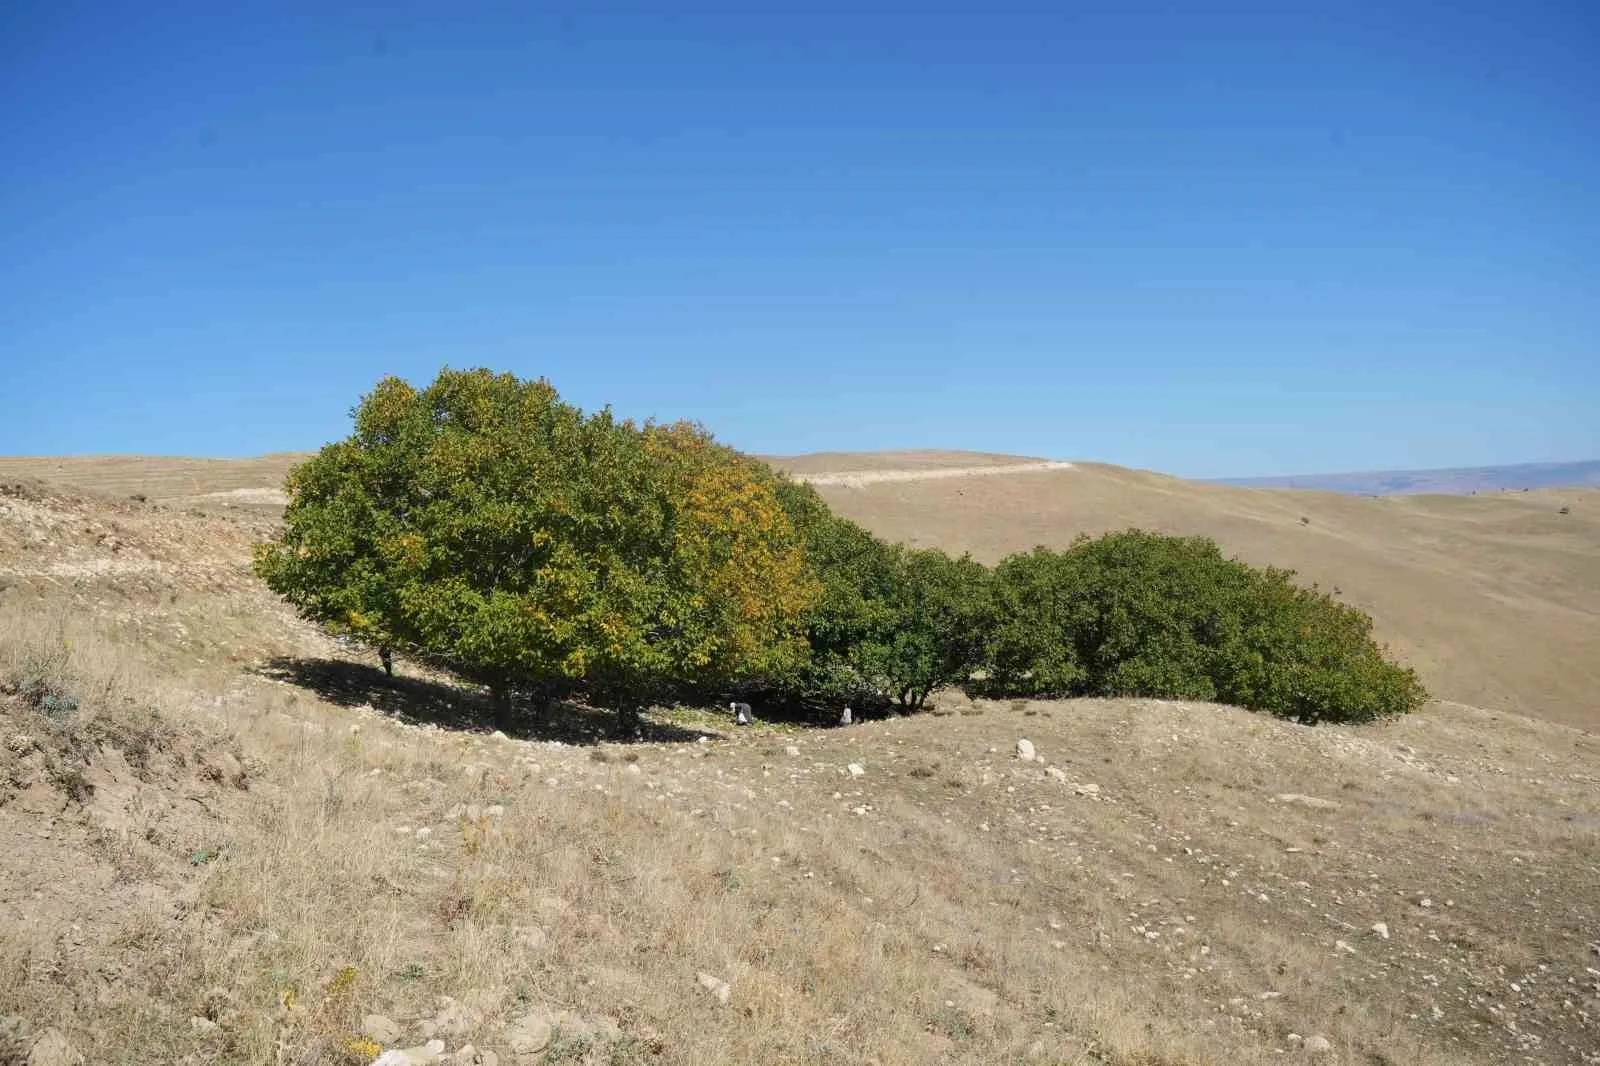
x: 1455, y: 481
x: 1494, y: 598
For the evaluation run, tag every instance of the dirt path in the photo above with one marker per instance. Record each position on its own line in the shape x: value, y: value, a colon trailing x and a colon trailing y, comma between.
x: 857, y: 478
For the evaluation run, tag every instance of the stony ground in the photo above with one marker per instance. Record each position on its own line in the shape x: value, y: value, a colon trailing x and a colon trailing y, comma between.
x: 245, y: 844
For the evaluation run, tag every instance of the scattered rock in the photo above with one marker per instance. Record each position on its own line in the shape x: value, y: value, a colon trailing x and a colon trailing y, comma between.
x: 452, y: 1020
x: 421, y: 1055
x: 53, y: 1049
x: 716, y: 986
x: 1317, y: 1045
x: 1381, y: 929
x: 1057, y: 773
x: 224, y: 767
x: 1086, y: 790
x: 792, y: 751
x: 203, y: 1026
x: 379, y: 1028
x: 856, y: 769
x: 1025, y: 750
x: 472, y: 1056
x: 15, y: 1036
x: 1316, y: 803
x: 528, y: 1035
x: 529, y: 936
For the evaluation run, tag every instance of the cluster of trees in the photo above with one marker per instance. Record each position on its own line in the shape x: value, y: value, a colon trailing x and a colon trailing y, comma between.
x: 1136, y: 613
x: 485, y: 526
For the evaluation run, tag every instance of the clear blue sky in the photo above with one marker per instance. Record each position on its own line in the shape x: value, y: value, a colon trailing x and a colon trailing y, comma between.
x: 1209, y: 238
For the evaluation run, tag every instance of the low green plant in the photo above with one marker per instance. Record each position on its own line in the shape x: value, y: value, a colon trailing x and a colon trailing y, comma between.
x: 1146, y: 614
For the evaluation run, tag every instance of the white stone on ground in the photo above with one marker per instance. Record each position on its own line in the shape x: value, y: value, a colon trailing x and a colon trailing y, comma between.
x: 379, y: 1028
x: 716, y: 986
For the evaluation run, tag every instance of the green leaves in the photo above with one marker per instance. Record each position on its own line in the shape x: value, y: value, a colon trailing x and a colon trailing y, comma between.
x: 943, y: 614
x: 485, y: 525
x: 1143, y: 614
x: 891, y: 623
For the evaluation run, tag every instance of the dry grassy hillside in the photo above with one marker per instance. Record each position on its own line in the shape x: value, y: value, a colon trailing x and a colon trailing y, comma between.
x: 1495, y: 599
x: 172, y: 480
x: 230, y: 840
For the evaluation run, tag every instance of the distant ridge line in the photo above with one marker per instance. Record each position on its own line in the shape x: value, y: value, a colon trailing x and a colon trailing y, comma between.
x: 1454, y: 481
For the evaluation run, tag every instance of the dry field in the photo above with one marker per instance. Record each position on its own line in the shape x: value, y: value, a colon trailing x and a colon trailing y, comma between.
x: 1494, y: 599
x: 229, y: 839
x: 177, y: 482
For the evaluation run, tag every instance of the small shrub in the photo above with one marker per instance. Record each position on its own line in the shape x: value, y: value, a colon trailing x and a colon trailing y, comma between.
x: 410, y: 973
x: 59, y: 706
x: 68, y: 776
x: 1144, y: 614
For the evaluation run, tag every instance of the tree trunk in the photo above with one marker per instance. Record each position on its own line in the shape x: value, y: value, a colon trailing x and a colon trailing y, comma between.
x: 629, y: 720
x: 500, y: 702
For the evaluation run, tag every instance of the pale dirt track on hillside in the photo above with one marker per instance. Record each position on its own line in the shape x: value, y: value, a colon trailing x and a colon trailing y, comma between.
x: 856, y: 479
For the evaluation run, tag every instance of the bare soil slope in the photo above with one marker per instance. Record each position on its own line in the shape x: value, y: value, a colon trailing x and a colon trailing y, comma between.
x: 240, y: 842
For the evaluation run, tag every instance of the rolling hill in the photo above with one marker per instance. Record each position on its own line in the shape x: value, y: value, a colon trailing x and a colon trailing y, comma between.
x: 1464, y: 480
x: 230, y: 838
x: 1494, y: 599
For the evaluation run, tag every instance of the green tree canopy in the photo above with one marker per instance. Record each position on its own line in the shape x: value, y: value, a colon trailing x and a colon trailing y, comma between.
x: 1143, y: 614
x: 943, y: 615
x: 854, y: 618
x: 483, y: 524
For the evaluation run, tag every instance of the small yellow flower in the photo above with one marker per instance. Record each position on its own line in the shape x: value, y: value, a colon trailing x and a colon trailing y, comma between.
x: 343, y: 981
x: 361, y: 1049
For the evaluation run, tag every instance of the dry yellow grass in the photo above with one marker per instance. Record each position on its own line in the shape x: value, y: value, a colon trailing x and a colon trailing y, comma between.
x: 175, y: 481
x: 1492, y: 598
x: 951, y: 904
